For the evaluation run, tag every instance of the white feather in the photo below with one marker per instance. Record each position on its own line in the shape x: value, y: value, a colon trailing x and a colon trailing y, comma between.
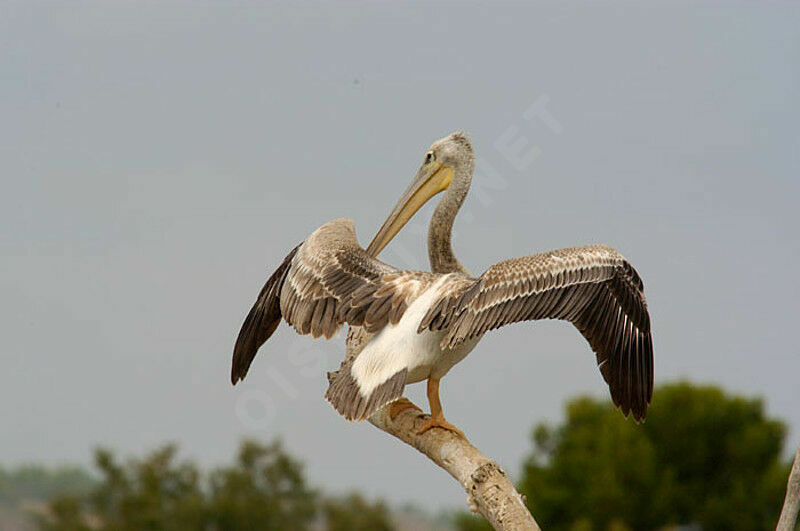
x: 399, y: 346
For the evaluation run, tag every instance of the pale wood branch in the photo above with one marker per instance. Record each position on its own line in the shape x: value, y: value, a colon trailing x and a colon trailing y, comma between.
x: 489, y: 491
x: 791, y: 504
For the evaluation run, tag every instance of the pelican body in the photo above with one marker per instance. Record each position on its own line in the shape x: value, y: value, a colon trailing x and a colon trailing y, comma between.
x: 416, y: 325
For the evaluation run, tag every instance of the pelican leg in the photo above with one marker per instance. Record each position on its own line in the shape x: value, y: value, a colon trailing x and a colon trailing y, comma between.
x: 400, y: 405
x: 436, y: 419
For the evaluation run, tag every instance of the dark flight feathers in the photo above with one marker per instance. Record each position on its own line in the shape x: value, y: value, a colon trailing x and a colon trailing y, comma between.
x: 330, y: 280
x: 592, y: 287
x: 261, y: 322
x: 326, y: 281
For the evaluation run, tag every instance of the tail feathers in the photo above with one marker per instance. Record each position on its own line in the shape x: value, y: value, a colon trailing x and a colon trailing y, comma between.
x: 345, y: 395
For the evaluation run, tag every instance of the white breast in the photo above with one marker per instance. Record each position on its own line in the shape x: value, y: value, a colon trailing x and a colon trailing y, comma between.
x: 398, y: 347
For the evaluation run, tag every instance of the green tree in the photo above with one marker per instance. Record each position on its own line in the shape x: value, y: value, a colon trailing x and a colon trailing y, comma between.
x: 701, y: 457
x: 265, y: 490
x: 66, y: 514
x: 156, y: 492
x: 464, y: 521
x: 596, y: 469
x: 354, y: 513
x: 723, y: 452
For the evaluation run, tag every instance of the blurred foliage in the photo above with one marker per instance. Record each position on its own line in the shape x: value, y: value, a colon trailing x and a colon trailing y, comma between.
x: 264, y: 489
x: 703, y: 457
x: 465, y: 521
x: 354, y: 512
x: 36, y: 482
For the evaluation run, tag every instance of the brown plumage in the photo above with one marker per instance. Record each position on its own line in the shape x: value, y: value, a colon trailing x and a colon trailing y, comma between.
x: 592, y: 287
x: 330, y: 280
x: 324, y: 282
x: 413, y: 325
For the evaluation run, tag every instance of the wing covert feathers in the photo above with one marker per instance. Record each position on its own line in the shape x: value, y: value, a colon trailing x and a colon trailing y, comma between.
x: 593, y: 287
x: 326, y: 281
x: 329, y: 280
x: 332, y: 281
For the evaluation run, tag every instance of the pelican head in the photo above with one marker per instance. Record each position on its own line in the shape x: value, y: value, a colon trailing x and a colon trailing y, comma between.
x: 448, y: 162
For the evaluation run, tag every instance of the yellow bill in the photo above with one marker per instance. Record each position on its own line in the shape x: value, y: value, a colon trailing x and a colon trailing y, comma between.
x: 431, y: 179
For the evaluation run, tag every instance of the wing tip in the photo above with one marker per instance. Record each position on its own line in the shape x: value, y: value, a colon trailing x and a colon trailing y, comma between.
x: 261, y: 322
x: 631, y: 388
x: 239, y: 364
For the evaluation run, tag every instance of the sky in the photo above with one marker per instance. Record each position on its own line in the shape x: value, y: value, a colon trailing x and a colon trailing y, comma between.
x: 158, y: 161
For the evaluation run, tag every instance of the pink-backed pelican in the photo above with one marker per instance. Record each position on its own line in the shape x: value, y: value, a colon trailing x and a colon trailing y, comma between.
x: 418, y: 324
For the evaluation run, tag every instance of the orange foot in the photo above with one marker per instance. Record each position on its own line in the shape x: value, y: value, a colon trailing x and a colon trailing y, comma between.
x: 439, y: 422
x: 400, y: 405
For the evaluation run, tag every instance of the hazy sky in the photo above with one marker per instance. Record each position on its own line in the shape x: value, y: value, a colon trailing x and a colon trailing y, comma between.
x: 158, y: 160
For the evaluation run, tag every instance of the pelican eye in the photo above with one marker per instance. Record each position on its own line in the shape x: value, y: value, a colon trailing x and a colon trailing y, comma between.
x: 429, y: 157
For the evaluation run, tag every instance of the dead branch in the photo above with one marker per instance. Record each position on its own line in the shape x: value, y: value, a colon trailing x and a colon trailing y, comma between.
x: 489, y: 491
x: 791, y: 503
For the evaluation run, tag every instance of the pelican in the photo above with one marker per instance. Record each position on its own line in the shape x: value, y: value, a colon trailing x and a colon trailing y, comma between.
x: 417, y: 324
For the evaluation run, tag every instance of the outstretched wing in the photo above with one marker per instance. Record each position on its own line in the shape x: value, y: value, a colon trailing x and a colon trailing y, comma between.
x: 593, y: 287
x: 326, y: 281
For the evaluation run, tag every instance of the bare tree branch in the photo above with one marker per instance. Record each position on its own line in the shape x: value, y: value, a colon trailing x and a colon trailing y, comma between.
x: 791, y: 503
x: 489, y: 491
